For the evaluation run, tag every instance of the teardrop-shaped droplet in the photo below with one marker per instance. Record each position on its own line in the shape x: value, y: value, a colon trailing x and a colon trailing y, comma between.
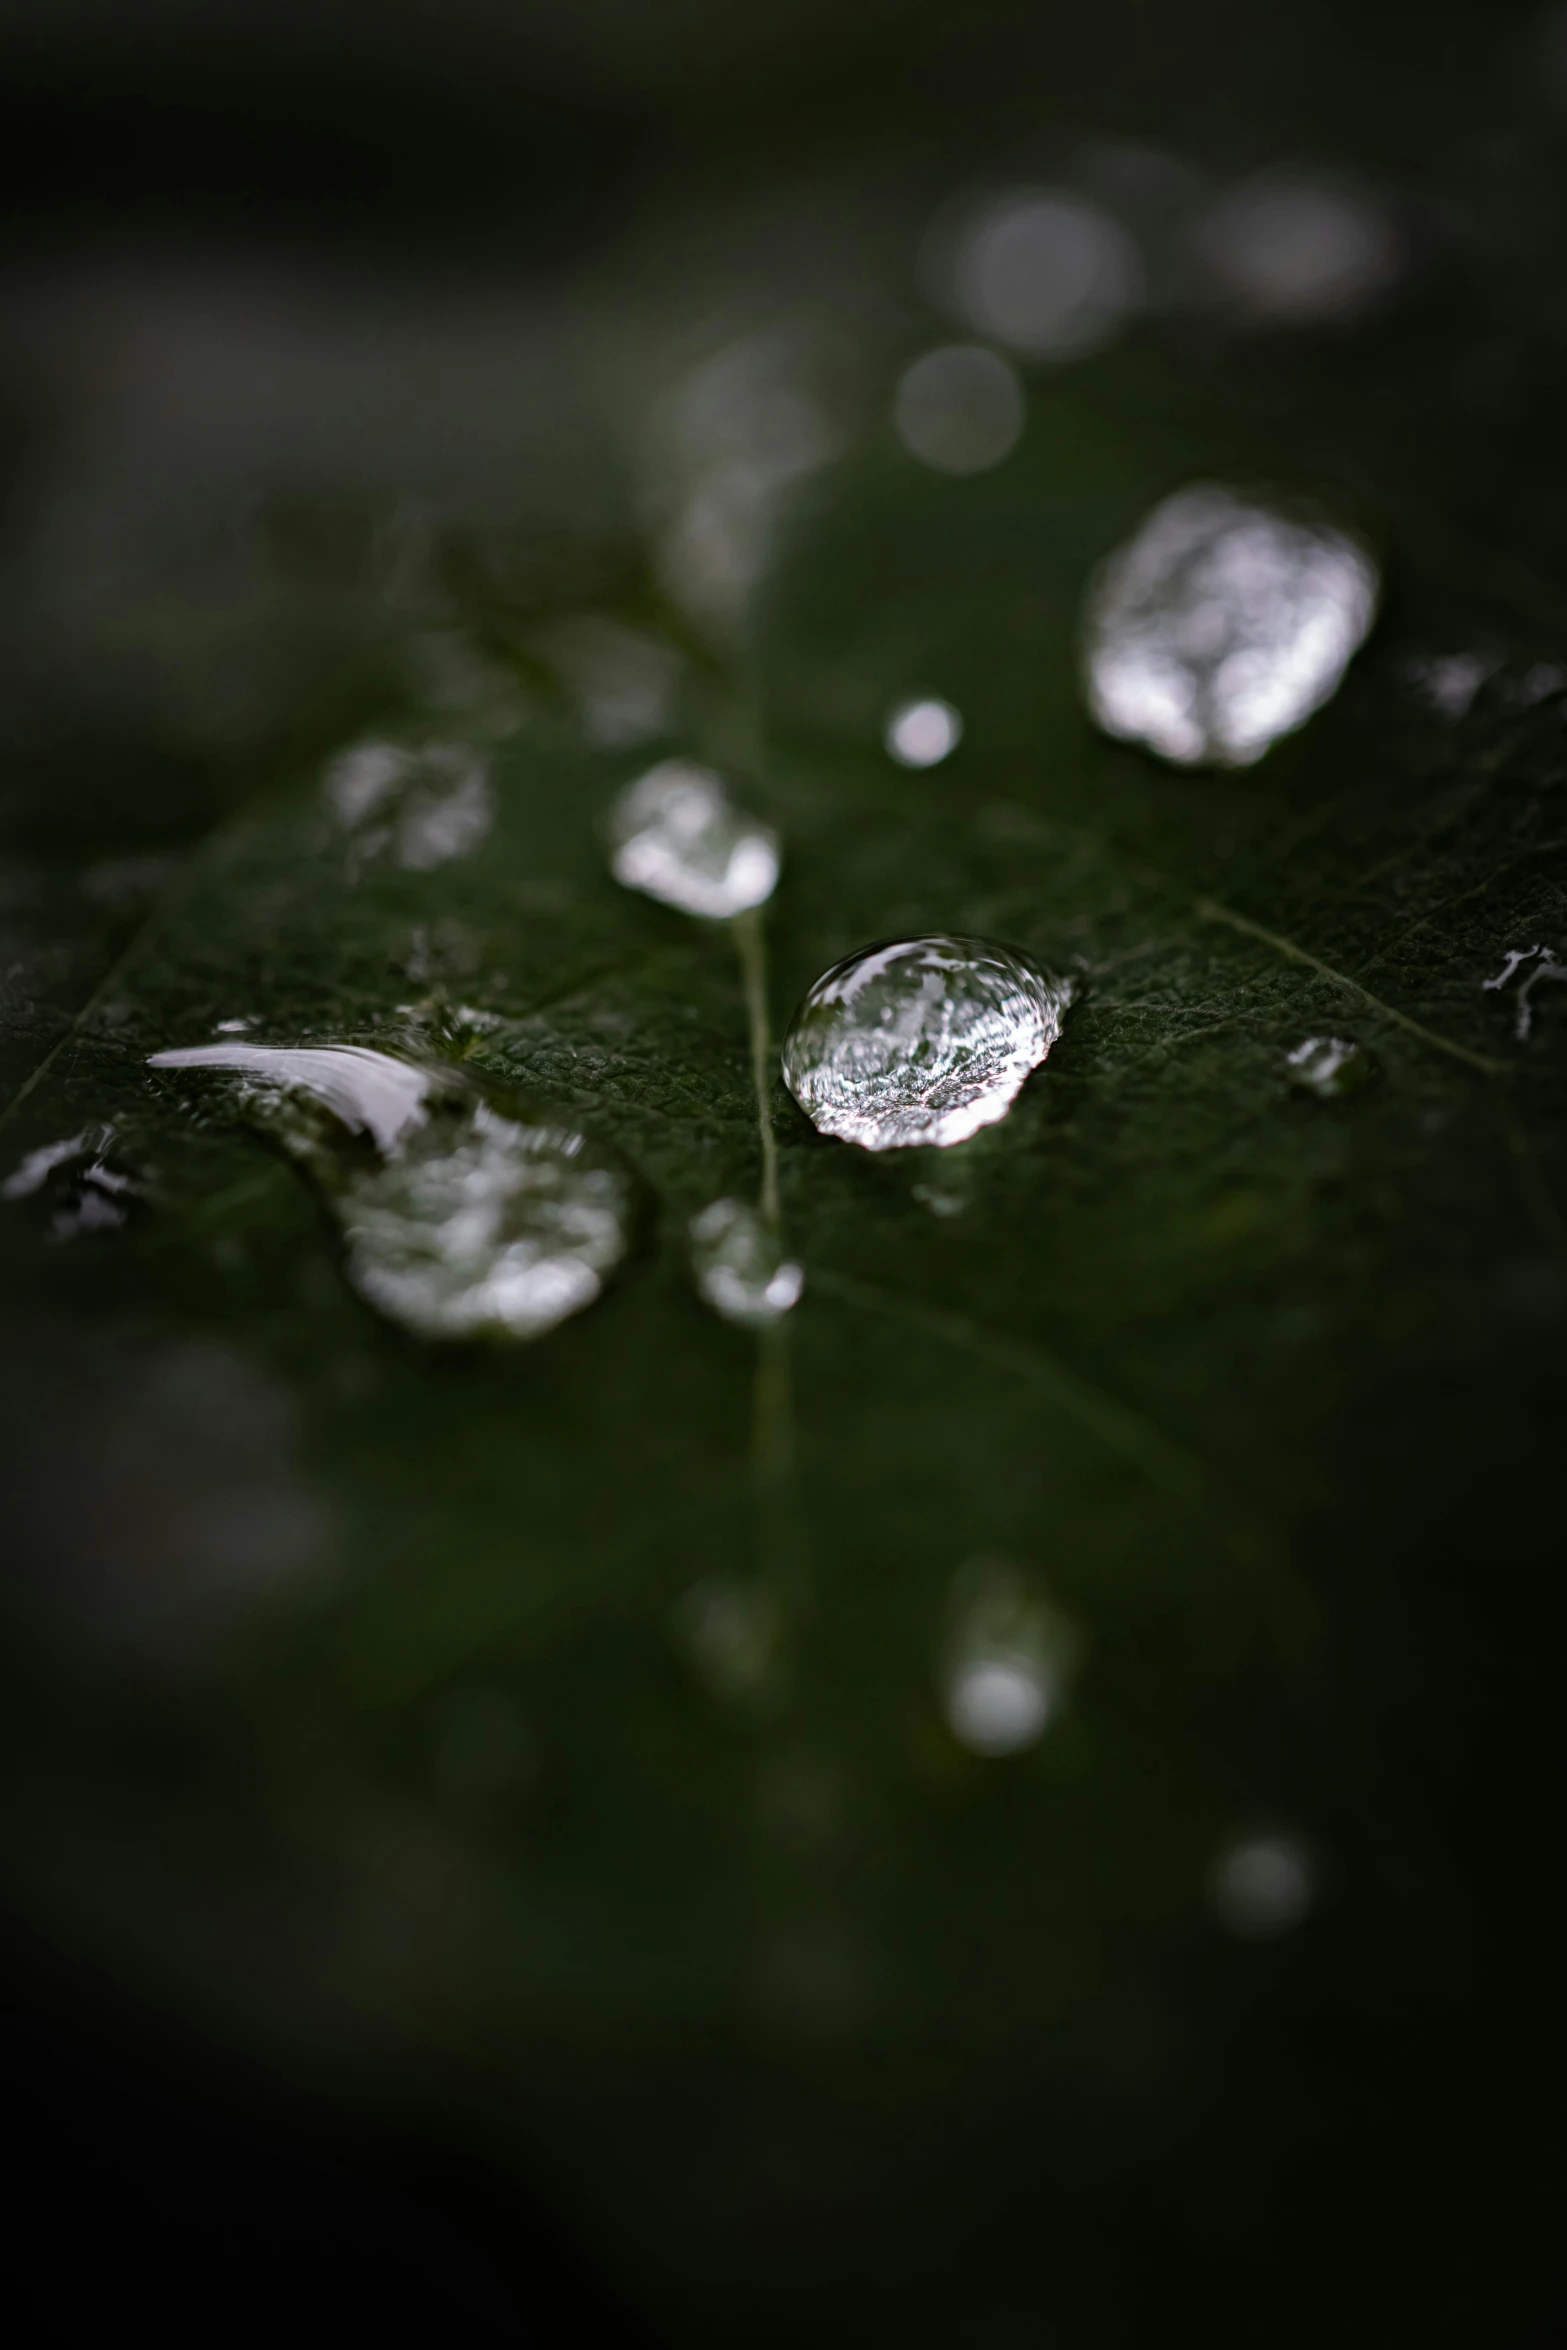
x: 1222, y: 626
x: 459, y: 1218
x: 922, y: 1041
x: 679, y: 837
x: 1329, y: 1066
x: 740, y: 1270
x: 1010, y: 1658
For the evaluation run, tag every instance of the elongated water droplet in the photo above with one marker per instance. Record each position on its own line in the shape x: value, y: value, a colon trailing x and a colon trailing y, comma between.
x: 679, y: 837
x: 739, y: 1267
x: 1010, y: 1659
x: 460, y: 1218
x: 1222, y: 626
x: 1329, y: 1066
x: 921, y: 1041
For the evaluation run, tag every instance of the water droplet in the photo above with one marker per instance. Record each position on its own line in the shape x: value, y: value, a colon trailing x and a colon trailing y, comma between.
x: 960, y: 409
x: 1048, y: 273
x: 1450, y: 681
x: 625, y: 683
x: 1262, y: 1887
x: 1329, y: 1066
x: 1010, y: 1658
x: 34, y: 1171
x: 739, y: 1268
x: 461, y: 1220
x: 422, y: 804
x: 1222, y: 626
x: 1294, y: 249
x: 731, y: 1634
x: 922, y: 734
x: 678, y: 837
x: 922, y: 1041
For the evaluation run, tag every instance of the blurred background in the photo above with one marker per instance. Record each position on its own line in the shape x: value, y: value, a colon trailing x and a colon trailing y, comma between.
x: 412, y: 1913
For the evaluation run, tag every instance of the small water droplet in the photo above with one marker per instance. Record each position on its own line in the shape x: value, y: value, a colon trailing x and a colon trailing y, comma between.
x: 678, y: 837
x: 1222, y: 626
x: 1263, y: 1886
x: 1450, y: 681
x: 1010, y: 1659
x: 1049, y: 273
x: 422, y: 804
x: 1329, y: 1066
x: 922, y: 1041
x: 1294, y: 249
x: 462, y: 1219
x: 731, y: 1634
x: 960, y: 409
x: 739, y: 1267
x: 922, y: 734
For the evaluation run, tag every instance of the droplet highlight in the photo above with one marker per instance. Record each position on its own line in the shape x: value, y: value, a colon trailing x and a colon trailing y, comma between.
x: 740, y: 1270
x: 925, y: 1040
x: 922, y: 734
x: 459, y: 1219
x: 678, y: 837
x: 1222, y: 626
x: 1329, y: 1066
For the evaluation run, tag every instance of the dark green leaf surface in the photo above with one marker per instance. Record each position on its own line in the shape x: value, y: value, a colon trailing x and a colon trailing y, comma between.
x: 1256, y: 1387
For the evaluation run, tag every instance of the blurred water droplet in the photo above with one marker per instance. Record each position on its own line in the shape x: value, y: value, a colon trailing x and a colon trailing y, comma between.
x: 1451, y: 681
x: 1262, y: 1887
x: 731, y: 1634
x: 421, y: 804
x: 960, y: 409
x: 678, y: 837
x: 922, y: 1041
x: 1222, y: 626
x: 625, y: 682
x: 1010, y: 1657
x: 1048, y: 273
x: 922, y: 734
x: 739, y: 1268
x: 34, y: 1171
x: 461, y: 1221
x: 1295, y: 250
x: 1329, y: 1066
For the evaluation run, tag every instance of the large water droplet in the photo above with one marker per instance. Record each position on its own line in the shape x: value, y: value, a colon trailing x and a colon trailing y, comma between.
x: 679, y: 837
x: 922, y: 1041
x: 459, y: 1219
x: 1329, y: 1066
x: 1222, y: 626
x: 740, y: 1269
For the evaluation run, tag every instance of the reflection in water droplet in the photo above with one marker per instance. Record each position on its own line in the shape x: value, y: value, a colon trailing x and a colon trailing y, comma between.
x: 1263, y: 1886
x: 922, y: 734
x: 422, y: 804
x: 922, y: 1041
x: 960, y: 409
x: 468, y: 1223
x: 1048, y: 273
x: 1010, y: 1658
x: 1330, y: 1066
x: 1297, y: 250
x: 739, y: 1268
x: 1222, y: 626
x: 1546, y: 970
x: 678, y: 837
